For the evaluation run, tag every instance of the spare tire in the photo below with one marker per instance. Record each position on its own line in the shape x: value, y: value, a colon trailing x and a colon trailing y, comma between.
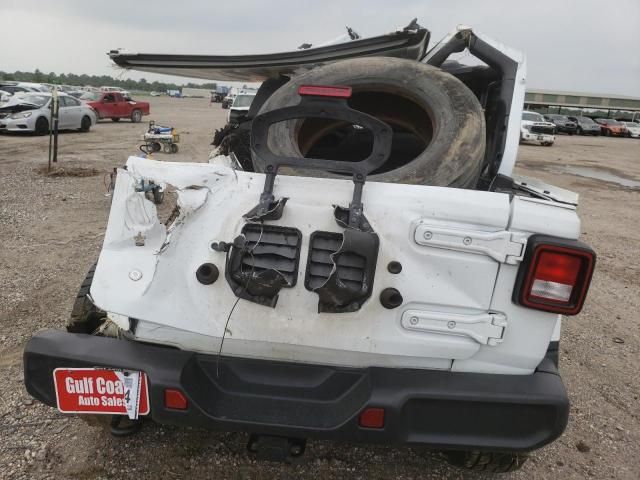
x: 438, y: 123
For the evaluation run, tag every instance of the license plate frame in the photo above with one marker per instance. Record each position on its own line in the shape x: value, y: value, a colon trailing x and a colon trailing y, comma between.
x: 101, y: 391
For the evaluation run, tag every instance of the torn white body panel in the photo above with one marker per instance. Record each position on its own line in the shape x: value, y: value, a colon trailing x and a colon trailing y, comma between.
x: 155, y: 283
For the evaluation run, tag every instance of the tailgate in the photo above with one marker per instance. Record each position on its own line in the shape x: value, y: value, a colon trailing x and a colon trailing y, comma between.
x: 450, y: 243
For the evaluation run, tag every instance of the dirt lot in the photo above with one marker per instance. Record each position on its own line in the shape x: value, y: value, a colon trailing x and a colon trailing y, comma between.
x: 51, y: 231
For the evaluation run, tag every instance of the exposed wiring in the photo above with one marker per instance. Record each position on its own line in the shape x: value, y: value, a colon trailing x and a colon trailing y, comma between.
x: 224, y: 333
x: 268, y: 212
x: 244, y: 288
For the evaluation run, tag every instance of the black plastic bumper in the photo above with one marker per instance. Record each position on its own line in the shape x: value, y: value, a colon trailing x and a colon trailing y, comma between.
x: 422, y: 407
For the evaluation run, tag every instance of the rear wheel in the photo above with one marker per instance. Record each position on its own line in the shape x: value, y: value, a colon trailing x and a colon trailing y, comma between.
x: 489, y: 462
x: 89, y: 319
x: 42, y: 126
x: 85, y: 316
x: 136, y: 116
x: 174, y: 148
x: 85, y: 124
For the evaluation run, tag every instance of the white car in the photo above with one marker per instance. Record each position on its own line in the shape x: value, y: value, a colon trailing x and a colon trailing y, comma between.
x: 633, y: 129
x: 534, y: 128
x: 240, y: 106
x: 30, y: 112
x: 35, y: 87
x: 5, y: 96
x: 228, y: 100
x: 116, y: 89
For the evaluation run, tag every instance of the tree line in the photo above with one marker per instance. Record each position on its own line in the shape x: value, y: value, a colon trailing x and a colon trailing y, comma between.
x: 97, y: 81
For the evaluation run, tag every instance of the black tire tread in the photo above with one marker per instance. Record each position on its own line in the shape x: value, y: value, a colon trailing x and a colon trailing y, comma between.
x: 84, y: 127
x: 41, y: 131
x: 85, y: 316
x: 455, y: 155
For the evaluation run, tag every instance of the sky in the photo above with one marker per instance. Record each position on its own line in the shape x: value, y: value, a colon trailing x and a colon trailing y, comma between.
x: 574, y: 45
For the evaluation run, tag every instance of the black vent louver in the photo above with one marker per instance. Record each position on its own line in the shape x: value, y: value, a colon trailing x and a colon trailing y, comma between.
x: 346, y: 287
x: 266, y: 261
x: 319, y: 265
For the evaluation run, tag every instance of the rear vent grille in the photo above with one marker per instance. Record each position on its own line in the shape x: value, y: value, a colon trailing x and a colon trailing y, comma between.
x: 351, y: 266
x: 271, y: 247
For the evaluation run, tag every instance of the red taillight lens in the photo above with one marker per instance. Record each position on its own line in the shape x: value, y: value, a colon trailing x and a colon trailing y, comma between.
x: 372, y: 418
x: 555, y: 276
x: 175, y: 399
x: 324, y: 91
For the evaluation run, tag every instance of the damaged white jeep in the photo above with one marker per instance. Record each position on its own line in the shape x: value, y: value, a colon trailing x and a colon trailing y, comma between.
x: 358, y: 264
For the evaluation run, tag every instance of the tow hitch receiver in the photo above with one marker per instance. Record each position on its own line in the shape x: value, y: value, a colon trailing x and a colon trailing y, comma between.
x: 276, y: 449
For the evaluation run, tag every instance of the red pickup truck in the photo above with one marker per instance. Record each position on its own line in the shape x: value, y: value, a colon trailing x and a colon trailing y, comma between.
x: 115, y: 106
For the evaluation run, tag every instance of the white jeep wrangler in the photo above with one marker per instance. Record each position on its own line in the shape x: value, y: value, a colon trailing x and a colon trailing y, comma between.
x: 360, y: 264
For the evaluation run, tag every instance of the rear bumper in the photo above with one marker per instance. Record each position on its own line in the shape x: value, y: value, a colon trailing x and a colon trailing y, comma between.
x: 422, y: 407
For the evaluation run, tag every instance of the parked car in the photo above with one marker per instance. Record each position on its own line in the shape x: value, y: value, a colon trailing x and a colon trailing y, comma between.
x: 562, y: 123
x: 30, y: 112
x: 633, y: 129
x: 115, y: 106
x: 228, y: 100
x: 35, y: 87
x: 534, y: 128
x: 5, y: 96
x: 396, y: 283
x: 15, y: 88
x: 610, y: 127
x: 586, y: 125
x: 119, y: 90
x: 240, y: 107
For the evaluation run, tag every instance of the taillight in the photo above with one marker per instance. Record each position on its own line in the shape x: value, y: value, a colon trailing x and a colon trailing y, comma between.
x: 324, y: 91
x: 555, y: 275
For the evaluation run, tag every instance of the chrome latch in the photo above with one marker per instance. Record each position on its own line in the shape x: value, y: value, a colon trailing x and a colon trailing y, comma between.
x: 485, y: 328
x: 502, y: 246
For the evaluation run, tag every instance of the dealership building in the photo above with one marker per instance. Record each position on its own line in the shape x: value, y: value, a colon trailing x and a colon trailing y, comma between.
x: 557, y: 101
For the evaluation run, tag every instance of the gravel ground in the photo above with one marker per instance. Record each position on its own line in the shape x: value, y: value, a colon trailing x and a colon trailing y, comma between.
x: 51, y: 232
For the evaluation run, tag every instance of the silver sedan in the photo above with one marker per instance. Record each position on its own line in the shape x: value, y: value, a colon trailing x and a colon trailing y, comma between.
x: 31, y: 112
